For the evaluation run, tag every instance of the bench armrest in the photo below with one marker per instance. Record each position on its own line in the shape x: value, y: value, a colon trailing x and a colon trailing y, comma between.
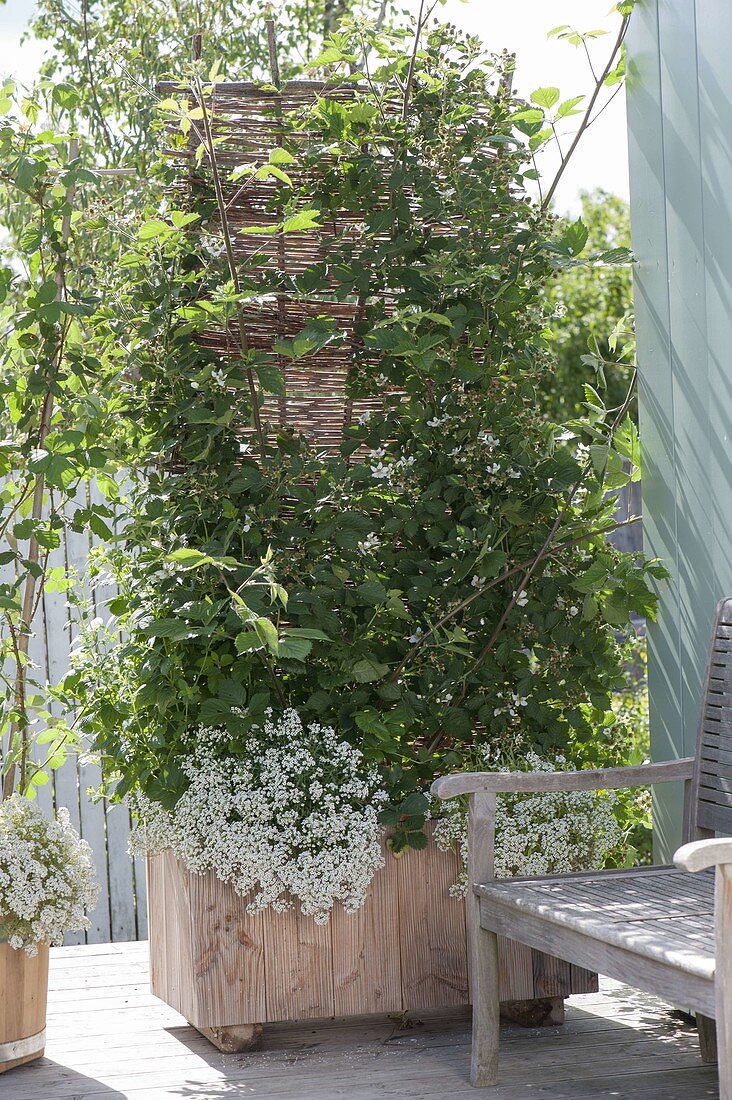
x: 701, y: 854
x: 591, y: 779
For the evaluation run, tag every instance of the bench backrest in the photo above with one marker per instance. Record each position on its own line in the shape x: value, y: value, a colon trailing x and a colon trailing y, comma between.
x: 712, y: 791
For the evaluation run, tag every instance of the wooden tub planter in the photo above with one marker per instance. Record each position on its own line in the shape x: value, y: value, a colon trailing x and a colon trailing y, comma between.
x: 229, y: 972
x: 23, y: 995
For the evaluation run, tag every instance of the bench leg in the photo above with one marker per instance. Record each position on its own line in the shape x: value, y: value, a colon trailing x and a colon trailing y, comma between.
x: 707, y: 1029
x: 723, y: 976
x: 486, y: 1015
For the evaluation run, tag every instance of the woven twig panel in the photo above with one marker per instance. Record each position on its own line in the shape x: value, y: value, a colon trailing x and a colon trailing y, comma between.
x: 248, y: 121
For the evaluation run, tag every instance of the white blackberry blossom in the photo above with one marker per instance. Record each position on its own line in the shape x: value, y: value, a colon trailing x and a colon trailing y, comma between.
x: 539, y: 834
x: 371, y: 542
x: 46, y: 876
x: 294, y: 817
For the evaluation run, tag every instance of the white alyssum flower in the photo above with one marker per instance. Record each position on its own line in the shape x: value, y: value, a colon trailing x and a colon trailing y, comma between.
x: 539, y: 834
x: 46, y: 876
x: 294, y: 817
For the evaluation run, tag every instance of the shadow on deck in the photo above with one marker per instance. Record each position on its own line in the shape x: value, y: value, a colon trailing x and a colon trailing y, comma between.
x: 108, y: 1038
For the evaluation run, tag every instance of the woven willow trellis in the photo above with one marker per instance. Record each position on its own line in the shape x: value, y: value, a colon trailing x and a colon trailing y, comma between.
x: 247, y: 121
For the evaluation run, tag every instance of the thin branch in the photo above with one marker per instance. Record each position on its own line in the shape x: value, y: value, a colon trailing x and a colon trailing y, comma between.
x: 589, y: 59
x: 548, y: 540
x: 560, y: 547
x: 421, y: 23
x: 92, y: 83
x: 586, y: 118
x: 381, y: 16
x: 231, y: 261
x: 604, y: 106
x: 18, y: 746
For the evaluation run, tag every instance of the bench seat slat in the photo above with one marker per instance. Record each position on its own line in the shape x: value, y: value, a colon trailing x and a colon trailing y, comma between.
x: 659, y: 913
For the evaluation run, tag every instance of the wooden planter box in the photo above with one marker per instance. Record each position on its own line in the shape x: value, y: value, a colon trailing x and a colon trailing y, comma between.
x: 405, y: 949
x: 23, y: 995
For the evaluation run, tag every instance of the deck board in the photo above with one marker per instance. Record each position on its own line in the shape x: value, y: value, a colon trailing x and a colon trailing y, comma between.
x: 109, y: 1039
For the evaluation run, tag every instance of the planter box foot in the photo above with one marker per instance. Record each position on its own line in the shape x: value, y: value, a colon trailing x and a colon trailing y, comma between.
x: 234, y: 1039
x: 536, y: 1013
x: 707, y: 1029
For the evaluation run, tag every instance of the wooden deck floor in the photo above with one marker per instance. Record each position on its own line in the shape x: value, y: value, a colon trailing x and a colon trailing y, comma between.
x: 109, y: 1038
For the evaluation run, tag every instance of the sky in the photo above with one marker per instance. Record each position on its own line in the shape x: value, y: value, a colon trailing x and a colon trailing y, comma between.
x: 521, y: 27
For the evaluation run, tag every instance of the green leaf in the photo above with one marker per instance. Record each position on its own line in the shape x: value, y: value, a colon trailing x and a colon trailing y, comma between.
x: 331, y: 55
x: 415, y: 804
x: 573, y: 239
x: 307, y: 632
x: 617, y: 75
x: 589, y: 608
x: 372, y: 592
x: 367, y: 670
x: 627, y: 443
x: 99, y: 527
x: 305, y: 219
x: 270, y: 378
x: 310, y: 339
x: 528, y: 114
x: 593, y: 579
x: 269, y: 171
x: 66, y: 96
x: 297, y: 649
x: 545, y: 97
x: 267, y: 634
x: 247, y: 641
x: 149, y: 230
x: 47, y: 292
x: 281, y: 156
x: 189, y: 558
x: 180, y: 218
x: 567, y: 108
x: 417, y: 839
x: 167, y: 628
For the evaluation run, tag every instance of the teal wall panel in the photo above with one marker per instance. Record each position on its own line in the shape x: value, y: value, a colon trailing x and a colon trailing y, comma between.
x: 679, y: 109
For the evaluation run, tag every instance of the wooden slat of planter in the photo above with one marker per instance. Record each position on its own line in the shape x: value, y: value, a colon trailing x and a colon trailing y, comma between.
x: 552, y: 977
x: 367, y: 966
x: 157, y: 903
x: 170, y: 929
x: 405, y: 949
x: 227, y: 951
x: 584, y: 981
x: 24, y: 985
x: 299, y: 968
x: 516, y: 969
x: 431, y: 930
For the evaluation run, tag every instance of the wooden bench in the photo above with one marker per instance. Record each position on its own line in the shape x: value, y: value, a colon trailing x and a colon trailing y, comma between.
x: 665, y: 930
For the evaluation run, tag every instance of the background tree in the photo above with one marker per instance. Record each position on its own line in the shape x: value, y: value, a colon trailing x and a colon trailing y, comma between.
x: 586, y: 304
x: 114, y: 52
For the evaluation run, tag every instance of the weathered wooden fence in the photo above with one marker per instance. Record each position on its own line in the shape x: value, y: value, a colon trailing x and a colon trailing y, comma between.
x: 121, y: 911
